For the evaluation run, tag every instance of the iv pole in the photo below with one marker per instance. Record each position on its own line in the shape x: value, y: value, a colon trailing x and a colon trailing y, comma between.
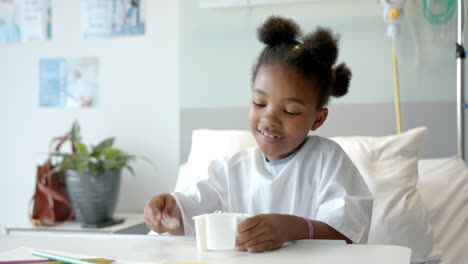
x: 460, y: 81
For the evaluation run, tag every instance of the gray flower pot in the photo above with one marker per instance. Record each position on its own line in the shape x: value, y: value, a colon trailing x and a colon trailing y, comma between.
x: 93, y: 199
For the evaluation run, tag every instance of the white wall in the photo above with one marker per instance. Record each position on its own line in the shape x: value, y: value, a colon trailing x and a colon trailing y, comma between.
x: 139, y: 105
x: 219, y: 47
x: 223, y: 52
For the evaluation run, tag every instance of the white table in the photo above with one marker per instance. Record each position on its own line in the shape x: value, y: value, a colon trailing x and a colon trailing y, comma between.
x: 134, y: 223
x: 183, y: 249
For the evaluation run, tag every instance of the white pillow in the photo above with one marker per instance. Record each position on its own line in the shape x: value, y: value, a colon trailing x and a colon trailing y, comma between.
x: 443, y: 186
x: 208, y: 145
x: 389, y: 165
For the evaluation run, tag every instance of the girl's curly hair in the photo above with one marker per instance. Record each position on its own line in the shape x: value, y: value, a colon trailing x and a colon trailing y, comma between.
x: 313, y: 55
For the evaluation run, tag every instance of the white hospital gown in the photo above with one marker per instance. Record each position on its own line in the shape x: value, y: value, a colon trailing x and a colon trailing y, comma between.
x: 319, y: 182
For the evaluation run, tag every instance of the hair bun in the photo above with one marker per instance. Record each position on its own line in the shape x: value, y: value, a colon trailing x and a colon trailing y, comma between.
x: 342, y: 79
x: 277, y: 30
x: 322, y: 44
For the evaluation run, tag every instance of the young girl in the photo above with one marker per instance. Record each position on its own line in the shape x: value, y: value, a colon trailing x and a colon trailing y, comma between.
x: 296, y: 186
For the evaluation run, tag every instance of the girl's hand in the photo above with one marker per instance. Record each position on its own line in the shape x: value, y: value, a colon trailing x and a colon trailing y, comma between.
x: 262, y: 232
x: 159, y: 207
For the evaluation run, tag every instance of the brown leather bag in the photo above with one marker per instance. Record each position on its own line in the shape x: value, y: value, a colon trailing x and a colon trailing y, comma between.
x: 51, y: 205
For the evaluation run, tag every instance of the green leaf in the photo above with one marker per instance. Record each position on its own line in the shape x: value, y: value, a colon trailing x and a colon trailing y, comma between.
x: 67, y: 163
x: 81, y: 148
x: 130, y: 169
x: 99, y: 149
x: 113, y: 164
x: 93, y: 169
x: 75, y: 133
x: 111, y: 153
x: 50, y: 173
x: 81, y: 160
x: 58, y: 154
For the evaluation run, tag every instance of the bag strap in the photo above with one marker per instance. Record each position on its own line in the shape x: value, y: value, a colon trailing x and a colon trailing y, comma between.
x: 61, y: 140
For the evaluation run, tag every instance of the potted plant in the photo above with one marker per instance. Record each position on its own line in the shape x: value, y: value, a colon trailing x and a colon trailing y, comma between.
x: 92, y: 177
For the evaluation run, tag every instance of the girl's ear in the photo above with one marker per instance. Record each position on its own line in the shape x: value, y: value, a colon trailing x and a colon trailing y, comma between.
x: 320, y: 118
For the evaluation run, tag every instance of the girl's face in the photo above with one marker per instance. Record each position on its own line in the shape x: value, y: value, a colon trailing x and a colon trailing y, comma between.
x: 282, y: 111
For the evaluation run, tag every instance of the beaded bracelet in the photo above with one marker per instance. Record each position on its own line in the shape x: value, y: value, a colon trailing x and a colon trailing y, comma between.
x: 311, y: 228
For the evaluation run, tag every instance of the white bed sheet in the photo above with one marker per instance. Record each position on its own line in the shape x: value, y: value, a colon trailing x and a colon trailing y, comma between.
x: 443, y: 185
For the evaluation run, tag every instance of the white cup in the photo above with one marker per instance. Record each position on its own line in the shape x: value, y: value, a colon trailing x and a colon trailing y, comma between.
x: 217, y: 231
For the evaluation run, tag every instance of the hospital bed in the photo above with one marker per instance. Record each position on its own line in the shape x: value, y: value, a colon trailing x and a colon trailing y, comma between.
x: 419, y: 203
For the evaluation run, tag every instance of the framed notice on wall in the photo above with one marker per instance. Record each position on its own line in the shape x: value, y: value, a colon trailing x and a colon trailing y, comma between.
x: 25, y: 20
x: 112, y: 18
x: 68, y: 82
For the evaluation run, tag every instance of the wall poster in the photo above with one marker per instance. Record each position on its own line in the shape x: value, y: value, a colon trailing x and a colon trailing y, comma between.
x: 25, y: 20
x: 69, y: 82
x: 112, y: 18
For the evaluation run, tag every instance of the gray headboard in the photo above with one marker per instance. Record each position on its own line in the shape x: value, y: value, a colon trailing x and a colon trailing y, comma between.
x: 345, y: 120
